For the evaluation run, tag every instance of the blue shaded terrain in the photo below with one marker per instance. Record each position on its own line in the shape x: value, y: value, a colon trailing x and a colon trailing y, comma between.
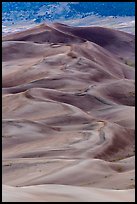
x: 13, y: 12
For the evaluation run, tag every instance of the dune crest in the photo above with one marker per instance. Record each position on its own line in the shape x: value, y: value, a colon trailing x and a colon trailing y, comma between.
x: 68, y: 114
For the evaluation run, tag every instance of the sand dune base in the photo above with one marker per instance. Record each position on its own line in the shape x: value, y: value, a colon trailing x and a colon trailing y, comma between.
x: 61, y: 193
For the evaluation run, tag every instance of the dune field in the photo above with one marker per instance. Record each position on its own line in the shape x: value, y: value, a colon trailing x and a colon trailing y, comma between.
x: 68, y: 102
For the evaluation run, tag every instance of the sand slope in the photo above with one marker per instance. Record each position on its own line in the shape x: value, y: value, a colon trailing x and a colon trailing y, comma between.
x: 68, y: 115
x: 61, y: 193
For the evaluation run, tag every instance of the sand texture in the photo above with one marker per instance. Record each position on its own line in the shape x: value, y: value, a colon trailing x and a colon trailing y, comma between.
x: 68, y: 101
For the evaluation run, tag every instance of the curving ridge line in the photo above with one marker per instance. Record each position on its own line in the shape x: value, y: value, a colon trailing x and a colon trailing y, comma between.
x: 64, y: 124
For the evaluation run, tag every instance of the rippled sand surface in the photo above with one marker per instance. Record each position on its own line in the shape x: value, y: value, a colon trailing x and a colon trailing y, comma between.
x: 68, y: 115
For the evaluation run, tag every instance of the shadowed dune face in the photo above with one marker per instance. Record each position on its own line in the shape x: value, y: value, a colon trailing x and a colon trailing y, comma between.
x: 68, y: 114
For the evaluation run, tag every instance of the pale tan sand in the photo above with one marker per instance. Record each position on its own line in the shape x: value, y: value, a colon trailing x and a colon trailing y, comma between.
x: 68, y: 115
x: 61, y: 193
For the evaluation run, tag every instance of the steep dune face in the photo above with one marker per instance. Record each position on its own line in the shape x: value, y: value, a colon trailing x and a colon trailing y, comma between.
x: 68, y: 114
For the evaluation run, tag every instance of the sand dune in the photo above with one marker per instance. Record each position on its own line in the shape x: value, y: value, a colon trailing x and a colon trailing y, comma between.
x: 62, y: 193
x: 68, y: 115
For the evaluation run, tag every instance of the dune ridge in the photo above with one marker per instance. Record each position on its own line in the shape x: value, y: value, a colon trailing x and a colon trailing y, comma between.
x: 68, y: 100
